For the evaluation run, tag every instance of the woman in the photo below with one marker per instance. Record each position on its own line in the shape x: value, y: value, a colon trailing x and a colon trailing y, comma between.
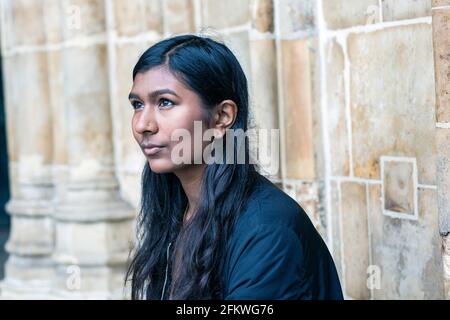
x: 212, y: 230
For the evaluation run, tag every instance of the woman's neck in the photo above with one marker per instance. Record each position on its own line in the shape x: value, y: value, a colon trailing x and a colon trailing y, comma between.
x: 191, y: 179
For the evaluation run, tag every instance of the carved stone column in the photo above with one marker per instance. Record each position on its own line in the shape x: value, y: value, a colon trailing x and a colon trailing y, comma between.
x: 71, y: 229
x: 29, y: 269
x: 93, y: 222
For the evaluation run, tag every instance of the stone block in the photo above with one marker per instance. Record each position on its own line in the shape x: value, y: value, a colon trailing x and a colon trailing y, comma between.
x: 443, y: 178
x: 96, y: 243
x: 399, y: 178
x: 392, y: 95
x: 262, y: 15
x: 336, y: 110
x: 440, y: 3
x: 405, y: 9
x: 355, y: 238
x: 296, y: 16
x: 225, y: 14
x: 406, y: 252
x: 441, y: 39
x: 341, y: 14
x: 297, y: 96
x: 83, y: 18
x: 179, y: 16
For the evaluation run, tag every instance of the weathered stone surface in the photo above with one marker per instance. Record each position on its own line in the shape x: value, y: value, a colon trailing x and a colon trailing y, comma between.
x: 298, y: 109
x: 128, y: 17
x: 307, y: 195
x: 221, y: 14
x: 262, y: 13
x: 53, y: 17
x: 31, y: 236
x: 87, y: 98
x: 407, y: 252
x: 88, y: 282
x: 405, y: 9
x: 133, y: 17
x: 264, y: 98
x: 336, y: 114
x: 439, y: 3
x: 33, y: 106
x: 441, y: 39
x: 27, y: 277
x: 153, y: 14
x: 355, y: 239
x: 316, y: 109
x: 239, y: 45
x: 264, y: 101
x: 97, y: 243
x: 443, y: 179
x: 296, y: 16
x: 336, y: 227
x: 24, y: 24
x: 394, y: 116
x: 446, y: 263
x: 12, y: 96
x: 339, y: 14
x: 399, y: 187
x: 83, y: 18
x: 131, y: 159
x: 58, y: 106
x: 179, y: 16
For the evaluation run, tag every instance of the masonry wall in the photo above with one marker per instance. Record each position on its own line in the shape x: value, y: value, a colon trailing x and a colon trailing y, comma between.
x: 355, y: 88
x: 380, y: 119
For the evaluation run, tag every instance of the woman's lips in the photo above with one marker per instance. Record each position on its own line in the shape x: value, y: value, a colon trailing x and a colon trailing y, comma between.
x: 150, y: 151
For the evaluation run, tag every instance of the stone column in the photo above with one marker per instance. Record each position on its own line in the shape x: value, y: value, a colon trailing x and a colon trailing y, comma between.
x: 93, y: 222
x: 71, y: 229
x: 29, y: 269
x: 441, y: 30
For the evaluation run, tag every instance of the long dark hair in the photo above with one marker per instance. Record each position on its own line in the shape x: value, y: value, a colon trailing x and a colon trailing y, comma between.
x: 212, y: 71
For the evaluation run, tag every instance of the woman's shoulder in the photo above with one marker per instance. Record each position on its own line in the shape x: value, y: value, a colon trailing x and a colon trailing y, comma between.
x: 275, y: 252
x: 270, y: 206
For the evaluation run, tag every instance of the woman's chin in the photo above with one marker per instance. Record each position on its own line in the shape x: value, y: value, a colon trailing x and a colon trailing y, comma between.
x: 161, y: 165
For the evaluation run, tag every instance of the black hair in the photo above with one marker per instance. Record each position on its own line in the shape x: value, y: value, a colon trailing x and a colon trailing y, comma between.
x: 212, y: 71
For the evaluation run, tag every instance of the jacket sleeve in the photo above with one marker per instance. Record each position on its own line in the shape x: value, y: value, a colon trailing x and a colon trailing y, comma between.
x: 266, y: 262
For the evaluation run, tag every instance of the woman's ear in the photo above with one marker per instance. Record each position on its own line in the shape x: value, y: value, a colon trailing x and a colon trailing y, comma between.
x: 224, y: 117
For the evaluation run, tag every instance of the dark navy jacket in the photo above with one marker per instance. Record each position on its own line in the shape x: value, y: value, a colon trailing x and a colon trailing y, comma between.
x: 276, y: 253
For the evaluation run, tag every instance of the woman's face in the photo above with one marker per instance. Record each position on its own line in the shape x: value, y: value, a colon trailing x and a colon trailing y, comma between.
x: 162, y: 104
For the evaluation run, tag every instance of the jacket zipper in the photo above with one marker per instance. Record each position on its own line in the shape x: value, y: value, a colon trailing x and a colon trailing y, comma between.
x: 167, y: 270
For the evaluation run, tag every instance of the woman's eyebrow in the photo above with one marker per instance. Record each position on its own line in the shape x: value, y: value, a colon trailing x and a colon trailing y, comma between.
x: 133, y: 96
x: 153, y: 94
x: 156, y: 93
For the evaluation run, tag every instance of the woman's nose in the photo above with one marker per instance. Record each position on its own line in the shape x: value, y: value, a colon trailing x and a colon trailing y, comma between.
x: 147, y: 121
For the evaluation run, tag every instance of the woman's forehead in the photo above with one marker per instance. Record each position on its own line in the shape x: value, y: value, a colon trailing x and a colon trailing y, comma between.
x: 160, y: 79
x: 156, y: 77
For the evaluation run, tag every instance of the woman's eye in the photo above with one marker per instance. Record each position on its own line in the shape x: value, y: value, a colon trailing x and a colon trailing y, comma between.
x: 165, y: 103
x: 136, y: 105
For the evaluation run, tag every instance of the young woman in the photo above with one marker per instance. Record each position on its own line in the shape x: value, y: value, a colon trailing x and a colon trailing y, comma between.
x: 213, y: 230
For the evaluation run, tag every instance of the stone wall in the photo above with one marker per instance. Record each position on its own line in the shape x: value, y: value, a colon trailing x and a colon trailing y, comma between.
x: 379, y: 105
x: 350, y: 84
x: 441, y: 40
